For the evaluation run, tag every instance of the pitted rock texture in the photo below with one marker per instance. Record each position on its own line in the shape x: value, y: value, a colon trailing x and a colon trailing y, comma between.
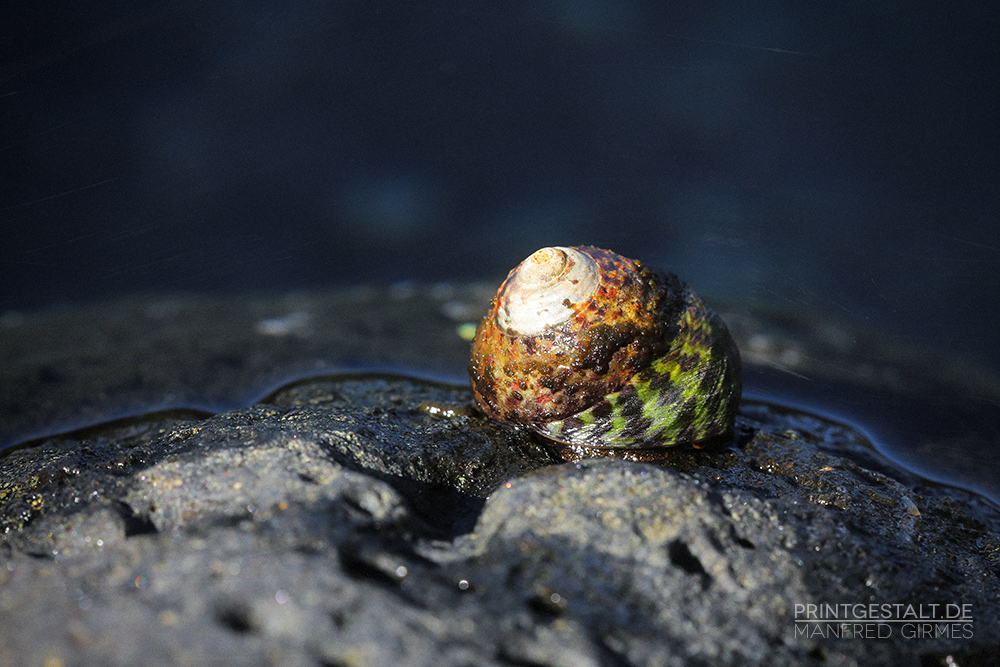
x: 369, y: 520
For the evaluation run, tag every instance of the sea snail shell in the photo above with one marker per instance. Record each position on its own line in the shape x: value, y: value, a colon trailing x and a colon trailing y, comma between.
x: 605, y: 357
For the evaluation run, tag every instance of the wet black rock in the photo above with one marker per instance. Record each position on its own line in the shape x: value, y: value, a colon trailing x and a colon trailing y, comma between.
x: 375, y: 519
x: 216, y: 352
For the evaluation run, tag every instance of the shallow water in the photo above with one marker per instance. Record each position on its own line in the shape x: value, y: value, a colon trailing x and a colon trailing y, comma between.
x: 938, y: 437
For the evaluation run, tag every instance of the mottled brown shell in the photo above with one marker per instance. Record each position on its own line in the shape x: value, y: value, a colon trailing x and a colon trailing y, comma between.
x: 590, y: 342
x: 605, y: 357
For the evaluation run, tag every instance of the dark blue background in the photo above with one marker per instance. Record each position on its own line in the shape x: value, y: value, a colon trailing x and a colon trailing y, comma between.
x: 823, y: 155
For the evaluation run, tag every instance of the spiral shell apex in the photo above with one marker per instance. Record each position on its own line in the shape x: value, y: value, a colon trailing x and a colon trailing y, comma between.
x: 604, y: 356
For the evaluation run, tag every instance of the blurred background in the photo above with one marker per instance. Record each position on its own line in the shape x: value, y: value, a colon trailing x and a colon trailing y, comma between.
x: 837, y: 158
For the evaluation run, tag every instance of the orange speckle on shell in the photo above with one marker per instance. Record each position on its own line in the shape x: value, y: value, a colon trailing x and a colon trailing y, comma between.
x: 538, y: 377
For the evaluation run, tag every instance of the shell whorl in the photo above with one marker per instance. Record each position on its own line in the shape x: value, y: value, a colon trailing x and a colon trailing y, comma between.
x: 545, y: 289
x: 600, y: 353
x: 599, y: 336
